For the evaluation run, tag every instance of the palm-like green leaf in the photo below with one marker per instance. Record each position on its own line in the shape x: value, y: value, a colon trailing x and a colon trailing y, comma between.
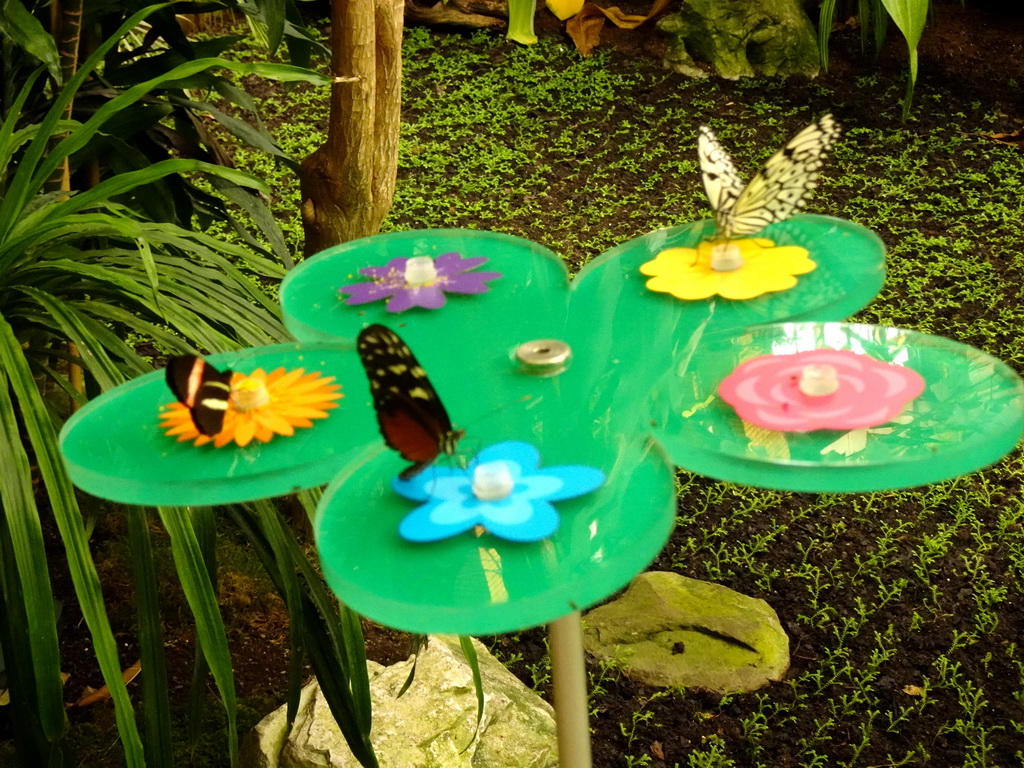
x: 155, y: 700
x: 61, y: 494
x: 26, y: 535
x: 89, y: 267
x: 826, y: 15
x: 20, y: 26
x: 333, y: 644
x: 202, y: 599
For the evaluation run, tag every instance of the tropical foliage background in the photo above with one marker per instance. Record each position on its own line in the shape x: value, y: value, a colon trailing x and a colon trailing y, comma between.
x: 126, y: 233
x: 114, y: 190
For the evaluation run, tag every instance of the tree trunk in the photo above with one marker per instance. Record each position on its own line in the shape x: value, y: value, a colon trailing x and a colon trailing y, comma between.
x: 66, y: 23
x: 349, y: 182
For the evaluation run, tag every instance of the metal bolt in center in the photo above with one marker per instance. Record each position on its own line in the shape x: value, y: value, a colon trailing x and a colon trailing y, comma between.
x: 543, y: 357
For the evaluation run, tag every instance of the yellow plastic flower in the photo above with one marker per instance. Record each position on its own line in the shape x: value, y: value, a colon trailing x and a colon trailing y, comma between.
x: 261, y: 405
x: 761, y: 267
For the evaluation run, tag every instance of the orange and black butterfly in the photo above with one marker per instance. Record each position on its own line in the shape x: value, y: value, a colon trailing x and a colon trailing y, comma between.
x: 411, y: 417
x: 202, y: 389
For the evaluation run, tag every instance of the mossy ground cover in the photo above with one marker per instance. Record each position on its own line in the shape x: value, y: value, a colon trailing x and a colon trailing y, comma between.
x: 904, y: 608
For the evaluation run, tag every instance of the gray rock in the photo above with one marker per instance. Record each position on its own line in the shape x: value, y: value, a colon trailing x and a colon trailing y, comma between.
x: 741, y: 38
x: 668, y: 630
x: 430, y: 726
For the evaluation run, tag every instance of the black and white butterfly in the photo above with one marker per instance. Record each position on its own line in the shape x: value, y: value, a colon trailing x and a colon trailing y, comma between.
x: 203, y: 389
x: 777, y: 192
x: 411, y: 416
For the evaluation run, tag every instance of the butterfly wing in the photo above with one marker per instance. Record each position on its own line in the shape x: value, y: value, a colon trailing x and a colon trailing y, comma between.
x: 202, y: 389
x: 411, y: 417
x: 784, y: 184
x: 721, y: 181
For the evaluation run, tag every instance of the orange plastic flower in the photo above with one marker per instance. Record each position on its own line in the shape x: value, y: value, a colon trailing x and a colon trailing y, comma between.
x: 687, y: 273
x: 261, y: 405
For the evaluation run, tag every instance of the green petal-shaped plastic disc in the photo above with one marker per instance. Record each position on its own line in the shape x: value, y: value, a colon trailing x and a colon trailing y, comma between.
x: 611, y: 306
x: 472, y: 584
x: 530, y: 293
x: 970, y: 414
x: 114, y: 447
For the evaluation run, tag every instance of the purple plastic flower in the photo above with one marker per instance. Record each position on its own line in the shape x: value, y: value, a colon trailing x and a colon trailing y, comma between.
x: 422, y: 284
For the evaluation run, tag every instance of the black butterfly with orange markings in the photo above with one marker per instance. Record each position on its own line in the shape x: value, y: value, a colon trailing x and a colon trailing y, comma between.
x: 203, y: 389
x: 411, y: 416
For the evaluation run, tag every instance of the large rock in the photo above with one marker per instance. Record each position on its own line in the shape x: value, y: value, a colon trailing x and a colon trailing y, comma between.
x: 430, y: 726
x: 741, y: 38
x: 668, y: 630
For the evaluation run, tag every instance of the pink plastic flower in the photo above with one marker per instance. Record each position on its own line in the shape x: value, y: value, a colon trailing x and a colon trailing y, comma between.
x: 819, y: 389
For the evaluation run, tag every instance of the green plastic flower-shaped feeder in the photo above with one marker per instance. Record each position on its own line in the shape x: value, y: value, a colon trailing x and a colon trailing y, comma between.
x: 115, y: 448
x: 970, y: 413
x: 470, y: 584
x: 482, y: 584
x: 593, y: 411
x: 600, y: 373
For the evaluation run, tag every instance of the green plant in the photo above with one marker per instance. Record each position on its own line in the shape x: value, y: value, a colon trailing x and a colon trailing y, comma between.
x: 908, y: 15
x: 178, y: 117
x: 520, y: 21
x: 89, y: 267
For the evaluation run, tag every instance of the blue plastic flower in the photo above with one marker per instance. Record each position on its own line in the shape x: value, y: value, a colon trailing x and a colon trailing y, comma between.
x: 522, y: 512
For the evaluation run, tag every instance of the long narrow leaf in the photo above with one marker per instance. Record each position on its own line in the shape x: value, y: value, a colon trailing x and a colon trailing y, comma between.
x: 22, y: 187
x: 78, y: 138
x: 910, y: 16
x: 288, y: 584
x: 19, y: 509
x: 7, y: 127
x: 260, y: 214
x: 324, y: 658
x: 123, y: 183
x: 478, y: 682
x: 166, y: 341
x: 146, y: 253
x: 26, y: 32
x: 329, y: 649
x: 199, y: 593
x: 881, y: 24
x: 61, y: 381
x: 31, y: 745
x: 206, y: 537
x: 272, y: 13
x: 93, y: 354
x: 156, y: 705
x: 346, y: 640
x: 69, y: 521
x: 826, y: 16
x: 259, y: 139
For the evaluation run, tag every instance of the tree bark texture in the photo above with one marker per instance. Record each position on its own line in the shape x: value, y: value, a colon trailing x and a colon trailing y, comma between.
x: 348, y: 184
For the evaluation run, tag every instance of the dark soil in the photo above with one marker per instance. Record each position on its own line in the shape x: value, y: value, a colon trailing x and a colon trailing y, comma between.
x: 968, y: 54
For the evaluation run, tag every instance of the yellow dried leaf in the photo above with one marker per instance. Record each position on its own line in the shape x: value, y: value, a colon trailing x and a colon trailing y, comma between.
x: 913, y: 690
x: 585, y: 27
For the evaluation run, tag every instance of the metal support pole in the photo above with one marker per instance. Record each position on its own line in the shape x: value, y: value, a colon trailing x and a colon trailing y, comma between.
x: 569, y: 676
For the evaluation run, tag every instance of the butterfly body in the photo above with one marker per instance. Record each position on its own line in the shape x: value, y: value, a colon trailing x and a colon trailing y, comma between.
x: 781, y: 188
x: 411, y: 416
x: 203, y: 389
